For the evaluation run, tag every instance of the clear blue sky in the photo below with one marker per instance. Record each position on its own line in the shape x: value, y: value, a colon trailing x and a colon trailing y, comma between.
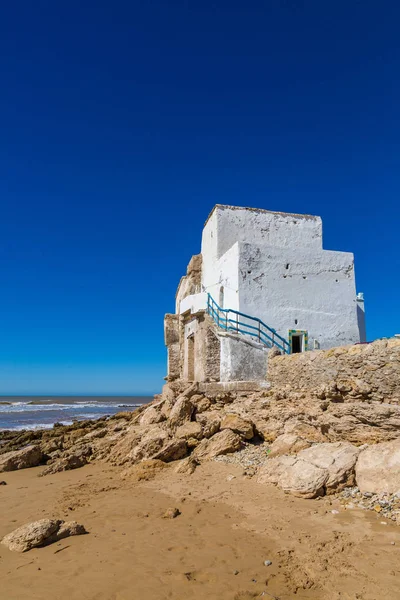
x: 123, y: 123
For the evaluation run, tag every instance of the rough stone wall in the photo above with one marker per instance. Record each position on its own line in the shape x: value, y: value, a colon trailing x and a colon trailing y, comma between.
x: 368, y: 372
x: 191, y: 282
x: 213, y: 355
x: 171, y: 337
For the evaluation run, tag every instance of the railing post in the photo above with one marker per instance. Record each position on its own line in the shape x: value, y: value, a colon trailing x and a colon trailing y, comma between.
x: 237, y: 323
x: 259, y: 331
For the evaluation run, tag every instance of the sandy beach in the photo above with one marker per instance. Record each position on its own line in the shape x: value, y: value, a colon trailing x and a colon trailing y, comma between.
x: 215, y: 549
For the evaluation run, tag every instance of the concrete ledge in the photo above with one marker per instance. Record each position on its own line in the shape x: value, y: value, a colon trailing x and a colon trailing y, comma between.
x: 232, y: 386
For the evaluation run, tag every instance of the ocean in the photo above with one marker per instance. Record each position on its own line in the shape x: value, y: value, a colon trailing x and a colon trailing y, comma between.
x: 41, y: 412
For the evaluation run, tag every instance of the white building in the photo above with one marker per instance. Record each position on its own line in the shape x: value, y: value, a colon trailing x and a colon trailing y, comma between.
x: 271, y: 266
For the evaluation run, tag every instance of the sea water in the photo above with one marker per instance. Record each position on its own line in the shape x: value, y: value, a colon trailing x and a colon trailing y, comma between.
x: 41, y: 412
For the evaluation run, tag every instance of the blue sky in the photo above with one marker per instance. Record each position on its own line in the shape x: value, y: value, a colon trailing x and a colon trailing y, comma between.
x: 123, y: 123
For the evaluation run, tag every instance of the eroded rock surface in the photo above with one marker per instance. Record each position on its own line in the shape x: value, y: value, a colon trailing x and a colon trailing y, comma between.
x: 30, y: 456
x: 221, y: 443
x: 315, y: 471
x: 40, y: 533
x: 288, y: 443
x: 378, y: 468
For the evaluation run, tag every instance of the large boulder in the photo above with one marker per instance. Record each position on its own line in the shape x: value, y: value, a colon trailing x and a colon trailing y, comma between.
x: 319, y: 469
x: 151, y: 416
x: 338, y: 458
x: 181, y: 412
x: 201, y: 403
x: 210, y: 422
x: 238, y: 425
x: 30, y: 456
x: 287, y: 443
x: 40, y: 533
x: 294, y: 476
x: 191, y: 429
x: 378, y: 468
x: 173, y: 449
x: 124, y: 449
x: 223, y: 442
x: 273, y: 469
x: 150, y: 444
x: 304, y: 480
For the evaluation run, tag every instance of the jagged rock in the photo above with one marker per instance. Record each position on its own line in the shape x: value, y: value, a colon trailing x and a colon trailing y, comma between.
x: 173, y: 449
x: 268, y: 430
x: 338, y: 459
x: 238, y: 425
x: 30, y: 456
x: 311, y: 433
x: 187, y: 466
x: 378, y: 468
x: 223, y: 442
x: 150, y: 444
x: 181, y: 412
x: 151, y: 416
x: 287, y: 443
x: 125, y: 447
x: 201, y: 403
x: 196, y: 398
x: 40, y: 533
x: 50, y: 446
x: 96, y: 434
x: 191, y: 429
x: 65, y: 463
x: 210, y: 422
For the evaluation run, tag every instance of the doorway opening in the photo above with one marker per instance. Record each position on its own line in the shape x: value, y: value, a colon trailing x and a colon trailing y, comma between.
x: 298, y: 340
x: 297, y: 343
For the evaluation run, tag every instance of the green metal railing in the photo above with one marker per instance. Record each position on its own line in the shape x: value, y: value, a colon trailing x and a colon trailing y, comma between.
x: 237, y: 322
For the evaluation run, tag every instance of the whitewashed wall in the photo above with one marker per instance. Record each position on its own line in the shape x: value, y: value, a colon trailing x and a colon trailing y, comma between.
x: 272, y: 266
x: 242, y: 360
x: 295, y: 288
x: 228, y: 224
x: 223, y: 272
